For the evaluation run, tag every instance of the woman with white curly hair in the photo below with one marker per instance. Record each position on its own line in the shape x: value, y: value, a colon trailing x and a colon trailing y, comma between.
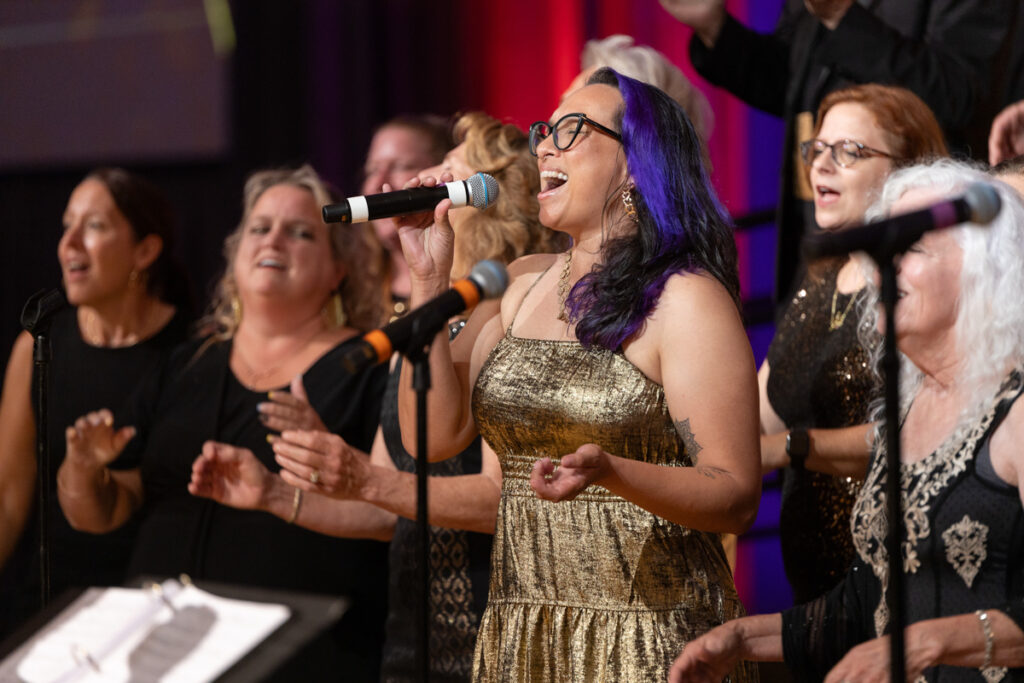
x: 960, y: 331
x: 649, y: 66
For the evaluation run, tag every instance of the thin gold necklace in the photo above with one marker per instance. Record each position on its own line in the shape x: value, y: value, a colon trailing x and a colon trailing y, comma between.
x: 837, y: 319
x: 257, y: 377
x: 563, y: 288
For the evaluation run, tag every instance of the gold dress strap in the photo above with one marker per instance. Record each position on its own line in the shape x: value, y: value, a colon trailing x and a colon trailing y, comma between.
x: 532, y: 285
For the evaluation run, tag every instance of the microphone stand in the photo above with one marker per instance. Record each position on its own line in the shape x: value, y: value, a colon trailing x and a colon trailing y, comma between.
x: 894, y: 509
x: 883, y: 242
x: 35, y: 318
x: 418, y: 353
x: 890, y: 245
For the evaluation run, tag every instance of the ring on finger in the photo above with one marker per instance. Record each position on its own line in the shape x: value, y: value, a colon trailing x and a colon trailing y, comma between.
x: 314, y: 477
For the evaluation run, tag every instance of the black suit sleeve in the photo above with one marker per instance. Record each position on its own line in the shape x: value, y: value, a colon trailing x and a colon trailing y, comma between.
x: 949, y: 67
x: 753, y: 66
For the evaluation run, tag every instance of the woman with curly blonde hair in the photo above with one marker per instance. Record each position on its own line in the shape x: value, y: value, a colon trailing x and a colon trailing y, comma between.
x: 275, y: 337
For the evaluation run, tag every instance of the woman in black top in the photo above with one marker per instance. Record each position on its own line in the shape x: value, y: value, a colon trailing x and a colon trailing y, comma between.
x: 126, y: 307
x: 280, y: 313
x: 959, y: 325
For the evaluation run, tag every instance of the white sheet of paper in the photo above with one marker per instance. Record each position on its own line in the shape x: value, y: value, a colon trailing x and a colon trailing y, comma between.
x: 134, y: 634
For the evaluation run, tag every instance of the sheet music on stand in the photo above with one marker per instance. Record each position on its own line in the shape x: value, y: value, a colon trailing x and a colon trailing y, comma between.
x: 168, y: 632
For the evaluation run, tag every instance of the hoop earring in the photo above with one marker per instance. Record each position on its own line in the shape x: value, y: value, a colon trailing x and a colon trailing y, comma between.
x: 628, y: 205
x: 236, y: 310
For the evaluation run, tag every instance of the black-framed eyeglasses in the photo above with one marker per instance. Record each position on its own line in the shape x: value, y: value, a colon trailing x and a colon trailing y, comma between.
x: 564, y: 131
x: 844, y: 152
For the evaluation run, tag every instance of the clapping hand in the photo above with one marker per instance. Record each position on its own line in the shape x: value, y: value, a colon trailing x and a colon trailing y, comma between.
x: 321, y: 462
x: 290, y: 409
x: 93, y: 442
x: 708, y: 659
x: 231, y: 476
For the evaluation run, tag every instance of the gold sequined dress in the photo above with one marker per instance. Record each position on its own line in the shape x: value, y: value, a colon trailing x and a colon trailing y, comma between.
x: 594, y: 589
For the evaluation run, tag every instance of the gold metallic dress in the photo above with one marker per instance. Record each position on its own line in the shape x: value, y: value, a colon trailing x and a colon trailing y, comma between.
x: 594, y: 589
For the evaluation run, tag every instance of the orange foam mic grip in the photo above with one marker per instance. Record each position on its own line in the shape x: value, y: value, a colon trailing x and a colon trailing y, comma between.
x: 380, y: 343
x: 468, y: 290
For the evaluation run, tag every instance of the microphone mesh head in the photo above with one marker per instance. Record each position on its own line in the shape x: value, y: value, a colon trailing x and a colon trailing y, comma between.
x: 483, y: 190
x: 983, y: 201
x: 491, y: 276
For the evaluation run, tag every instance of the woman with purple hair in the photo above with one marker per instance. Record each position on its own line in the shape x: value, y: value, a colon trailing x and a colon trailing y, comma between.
x: 616, y: 385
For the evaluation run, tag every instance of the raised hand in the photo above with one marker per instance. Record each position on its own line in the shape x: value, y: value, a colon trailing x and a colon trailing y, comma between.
x: 576, y: 472
x: 705, y: 17
x: 1006, y: 138
x: 290, y: 409
x: 231, y: 476
x: 828, y: 12
x: 93, y: 442
x: 323, y: 463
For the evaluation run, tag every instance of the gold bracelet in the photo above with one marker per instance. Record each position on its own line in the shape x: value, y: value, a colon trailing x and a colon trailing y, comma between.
x: 296, y: 504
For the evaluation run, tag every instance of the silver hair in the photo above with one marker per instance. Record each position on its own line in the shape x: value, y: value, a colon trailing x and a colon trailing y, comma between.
x: 989, y: 325
x: 650, y: 66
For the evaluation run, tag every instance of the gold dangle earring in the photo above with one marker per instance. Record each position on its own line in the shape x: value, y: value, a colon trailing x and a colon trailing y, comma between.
x: 334, y: 311
x: 627, y: 203
x: 236, y: 310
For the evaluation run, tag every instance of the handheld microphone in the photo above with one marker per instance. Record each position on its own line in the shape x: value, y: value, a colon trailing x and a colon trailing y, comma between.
x: 480, y: 191
x: 487, y: 280
x: 979, y: 204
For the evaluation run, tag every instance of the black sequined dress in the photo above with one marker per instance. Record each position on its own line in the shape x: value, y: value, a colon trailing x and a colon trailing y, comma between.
x: 820, y: 378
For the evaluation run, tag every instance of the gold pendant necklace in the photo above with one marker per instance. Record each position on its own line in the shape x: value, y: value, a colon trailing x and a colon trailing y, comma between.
x: 563, y: 288
x: 837, y: 319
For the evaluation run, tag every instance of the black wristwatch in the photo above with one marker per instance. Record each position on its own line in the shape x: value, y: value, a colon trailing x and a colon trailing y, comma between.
x: 798, y: 446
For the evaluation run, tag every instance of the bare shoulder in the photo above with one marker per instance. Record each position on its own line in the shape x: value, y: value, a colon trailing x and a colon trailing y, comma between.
x: 694, y: 294
x: 695, y: 322
x: 16, y: 418
x: 1007, y: 456
x: 21, y: 355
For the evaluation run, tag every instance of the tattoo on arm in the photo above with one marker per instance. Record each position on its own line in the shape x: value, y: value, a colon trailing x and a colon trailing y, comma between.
x: 710, y: 472
x: 686, y: 434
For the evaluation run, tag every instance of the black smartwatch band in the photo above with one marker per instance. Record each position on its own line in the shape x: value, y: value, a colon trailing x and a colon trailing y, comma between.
x: 798, y: 446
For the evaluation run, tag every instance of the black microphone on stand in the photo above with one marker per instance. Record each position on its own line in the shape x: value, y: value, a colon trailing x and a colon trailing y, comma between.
x: 36, y: 318
x: 487, y: 280
x: 479, y: 190
x: 979, y: 204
